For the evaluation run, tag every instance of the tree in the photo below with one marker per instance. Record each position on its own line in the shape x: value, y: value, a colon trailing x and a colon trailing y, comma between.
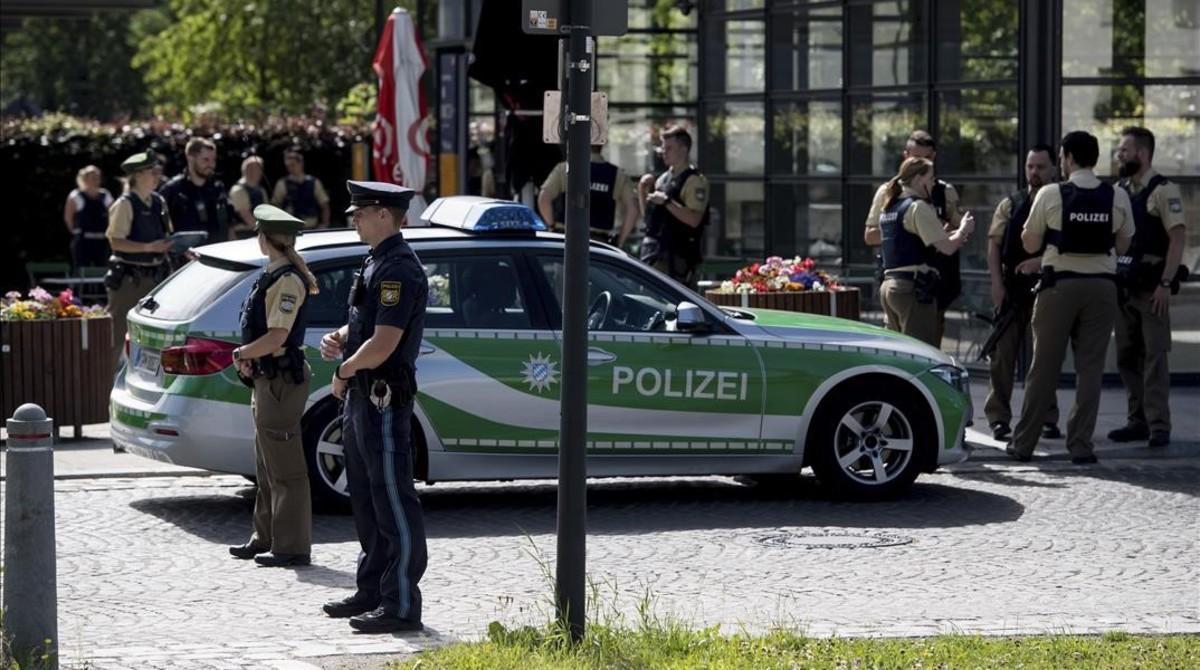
x: 77, y: 66
x: 258, y: 57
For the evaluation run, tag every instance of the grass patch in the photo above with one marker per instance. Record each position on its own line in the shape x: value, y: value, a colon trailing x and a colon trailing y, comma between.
x: 676, y: 647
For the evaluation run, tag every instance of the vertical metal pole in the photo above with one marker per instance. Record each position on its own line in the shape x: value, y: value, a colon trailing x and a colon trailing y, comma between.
x: 30, y: 584
x: 570, y: 569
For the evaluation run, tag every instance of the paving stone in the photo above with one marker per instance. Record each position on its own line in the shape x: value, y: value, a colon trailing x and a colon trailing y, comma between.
x: 984, y: 547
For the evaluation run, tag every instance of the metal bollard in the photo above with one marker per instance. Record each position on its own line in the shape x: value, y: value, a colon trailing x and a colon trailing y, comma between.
x: 30, y: 584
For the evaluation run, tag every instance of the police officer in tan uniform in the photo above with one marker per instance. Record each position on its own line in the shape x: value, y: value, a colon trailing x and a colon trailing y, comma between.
x: 1084, y: 224
x: 301, y: 194
x: 911, y: 237
x: 1014, y: 273
x: 1146, y: 275
x: 138, y: 225
x: 248, y: 193
x: 271, y: 360
x: 944, y: 198
x: 675, y: 206
x: 611, y: 200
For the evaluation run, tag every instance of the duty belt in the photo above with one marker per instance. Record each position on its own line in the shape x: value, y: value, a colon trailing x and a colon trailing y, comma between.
x: 899, y: 274
x: 90, y: 236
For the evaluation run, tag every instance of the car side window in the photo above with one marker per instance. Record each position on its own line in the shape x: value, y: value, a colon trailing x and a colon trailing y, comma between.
x: 620, y: 299
x: 475, y: 292
x: 328, y: 308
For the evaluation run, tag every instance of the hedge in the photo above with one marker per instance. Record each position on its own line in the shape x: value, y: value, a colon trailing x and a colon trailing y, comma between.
x: 40, y: 157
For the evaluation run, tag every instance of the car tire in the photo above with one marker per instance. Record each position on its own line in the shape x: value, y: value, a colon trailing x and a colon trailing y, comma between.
x: 321, y: 433
x: 869, y: 438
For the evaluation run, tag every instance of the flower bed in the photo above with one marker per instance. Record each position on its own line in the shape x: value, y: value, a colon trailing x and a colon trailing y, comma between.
x: 794, y: 285
x: 57, y: 353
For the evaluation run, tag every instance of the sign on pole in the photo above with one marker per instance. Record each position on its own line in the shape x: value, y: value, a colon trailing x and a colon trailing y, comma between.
x: 548, y: 17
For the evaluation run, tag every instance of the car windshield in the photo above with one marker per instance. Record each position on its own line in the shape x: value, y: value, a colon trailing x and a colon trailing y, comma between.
x: 190, y: 290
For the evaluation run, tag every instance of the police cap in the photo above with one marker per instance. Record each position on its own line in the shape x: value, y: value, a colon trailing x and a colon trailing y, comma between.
x: 271, y: 219
x: 377, y: 194
x: 137, y: 162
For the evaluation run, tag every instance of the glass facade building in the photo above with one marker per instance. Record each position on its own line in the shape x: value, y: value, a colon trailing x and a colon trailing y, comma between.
x: 800, y: 109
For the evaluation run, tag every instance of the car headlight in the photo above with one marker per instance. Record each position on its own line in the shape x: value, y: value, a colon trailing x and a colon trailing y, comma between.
x: 953, y: 375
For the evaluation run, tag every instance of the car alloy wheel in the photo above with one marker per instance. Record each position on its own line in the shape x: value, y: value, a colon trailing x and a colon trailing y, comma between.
x: 873, y: 443
x: 331, y: 458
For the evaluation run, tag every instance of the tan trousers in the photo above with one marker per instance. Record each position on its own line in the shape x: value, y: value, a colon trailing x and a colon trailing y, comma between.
x: 1081, y: 312
x: 1003, y: 367
x: 283, y: 508
x: 132, y: 289
x: 905, y: 315
x: 1143, y: 342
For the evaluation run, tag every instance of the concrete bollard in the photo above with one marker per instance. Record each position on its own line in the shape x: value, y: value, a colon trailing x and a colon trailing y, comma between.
x: 30, y: 584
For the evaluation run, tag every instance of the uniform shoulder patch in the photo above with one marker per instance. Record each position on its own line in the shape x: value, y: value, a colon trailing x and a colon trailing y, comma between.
x: 389, y: 293
x: 287, y: 303
x: 1175, y: 205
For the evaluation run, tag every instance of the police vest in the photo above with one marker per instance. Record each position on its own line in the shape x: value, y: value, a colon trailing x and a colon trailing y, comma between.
x: 900, y: 247
x: 257, y: 194
x: 1012, y: 250
x: 947, y: 265
x: 1150, y: 237
x: 254, y: 309
x: 603, y: 203
x: 676, y: 236
x: 301, y: 198
x: 1086, y: 220
x: 197, y: 207
x: 91, y: 220
x: 149, y: 224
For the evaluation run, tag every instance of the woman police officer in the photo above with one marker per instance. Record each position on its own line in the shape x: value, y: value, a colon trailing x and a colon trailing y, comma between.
x: 271, y: 359
x: 912, y: 235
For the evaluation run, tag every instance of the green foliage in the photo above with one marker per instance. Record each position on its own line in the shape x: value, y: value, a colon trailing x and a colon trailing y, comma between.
x: 78, y: 67
x: 357, y: 107
x: 256, y: 57
x: 671, y: 645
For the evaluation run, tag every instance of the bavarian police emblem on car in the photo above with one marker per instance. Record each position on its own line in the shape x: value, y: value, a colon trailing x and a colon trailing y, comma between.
x: 389, y: 293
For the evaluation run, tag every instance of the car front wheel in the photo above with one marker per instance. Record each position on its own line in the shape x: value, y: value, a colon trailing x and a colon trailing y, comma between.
x: 868, y: 439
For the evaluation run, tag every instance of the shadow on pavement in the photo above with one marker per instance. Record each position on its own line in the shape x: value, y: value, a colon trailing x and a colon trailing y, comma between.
x: 619, y: 508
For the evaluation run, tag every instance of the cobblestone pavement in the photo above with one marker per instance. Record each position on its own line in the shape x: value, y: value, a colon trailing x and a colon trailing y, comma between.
x: 989, y: 546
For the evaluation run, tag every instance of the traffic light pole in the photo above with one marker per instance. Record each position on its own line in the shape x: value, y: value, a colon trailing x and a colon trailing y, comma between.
x: 570, y: 569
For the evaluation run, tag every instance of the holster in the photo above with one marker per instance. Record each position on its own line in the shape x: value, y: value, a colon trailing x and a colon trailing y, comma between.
x: 1048, y: 280
x: 925, y: 287
x: 878, y: 269
x: 290, y: 365
x: 115, y: 275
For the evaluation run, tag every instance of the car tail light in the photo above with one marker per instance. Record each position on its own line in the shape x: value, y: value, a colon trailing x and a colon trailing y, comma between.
x: 126, y: 346
x: 198, y: 356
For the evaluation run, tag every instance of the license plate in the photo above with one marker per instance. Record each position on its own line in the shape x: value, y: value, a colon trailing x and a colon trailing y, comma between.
x: 149, y: 362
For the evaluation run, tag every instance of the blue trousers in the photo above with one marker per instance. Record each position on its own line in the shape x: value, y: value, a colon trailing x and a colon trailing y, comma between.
x: 387, y: 513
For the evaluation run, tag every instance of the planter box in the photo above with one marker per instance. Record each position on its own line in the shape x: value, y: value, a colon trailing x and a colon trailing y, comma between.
x: 63, y: 365
x: 843, y: 304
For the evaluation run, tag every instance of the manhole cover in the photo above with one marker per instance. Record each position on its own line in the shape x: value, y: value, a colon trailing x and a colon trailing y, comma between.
x: 831, y: 540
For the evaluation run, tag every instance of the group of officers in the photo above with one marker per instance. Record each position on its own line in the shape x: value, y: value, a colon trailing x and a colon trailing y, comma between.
x: 673, y: 206
x: 195, y: 200
x: 1071, y: 259
x: 375, y: 380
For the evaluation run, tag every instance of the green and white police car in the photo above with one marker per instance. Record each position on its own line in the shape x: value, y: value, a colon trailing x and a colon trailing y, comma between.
x: 676, y: 385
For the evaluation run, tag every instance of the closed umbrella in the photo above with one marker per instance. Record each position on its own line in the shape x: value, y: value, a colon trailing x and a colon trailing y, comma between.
x: 401, y: 147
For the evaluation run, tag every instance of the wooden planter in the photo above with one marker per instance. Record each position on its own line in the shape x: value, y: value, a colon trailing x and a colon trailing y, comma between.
x: 843, y: 304
x: 63, y: 365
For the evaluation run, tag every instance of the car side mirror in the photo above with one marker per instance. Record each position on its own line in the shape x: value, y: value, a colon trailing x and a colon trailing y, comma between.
x: 689, y: 318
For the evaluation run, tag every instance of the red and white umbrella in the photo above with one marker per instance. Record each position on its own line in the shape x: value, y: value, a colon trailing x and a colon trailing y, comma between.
x: 401, y: 144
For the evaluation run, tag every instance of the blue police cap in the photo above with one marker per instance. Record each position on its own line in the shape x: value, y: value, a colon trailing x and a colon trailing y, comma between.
x: 377, y: 194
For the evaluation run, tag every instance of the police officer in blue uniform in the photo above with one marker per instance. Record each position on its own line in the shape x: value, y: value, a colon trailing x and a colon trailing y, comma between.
x: 271, y: 361
x: 377, y: 381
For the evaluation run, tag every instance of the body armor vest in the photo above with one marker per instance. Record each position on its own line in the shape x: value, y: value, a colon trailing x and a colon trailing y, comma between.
x: 301, y: 198
x: 900, y: 247
x: 1086, y: 220
x: 603, y: 204
x: 148, y: 225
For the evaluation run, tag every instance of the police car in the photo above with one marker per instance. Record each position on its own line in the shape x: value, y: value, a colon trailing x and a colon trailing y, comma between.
x: 676, y: 385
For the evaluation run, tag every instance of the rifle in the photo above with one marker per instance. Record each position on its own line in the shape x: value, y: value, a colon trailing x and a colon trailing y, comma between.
x: 1017, y: 292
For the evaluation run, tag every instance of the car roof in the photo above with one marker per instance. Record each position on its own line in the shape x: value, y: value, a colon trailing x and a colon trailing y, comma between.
x: 327, y: 243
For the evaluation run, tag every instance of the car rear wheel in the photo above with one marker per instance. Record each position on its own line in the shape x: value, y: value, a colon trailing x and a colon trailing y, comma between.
x: 868, y: 440
x: 322, y: 435
x: 325, y: 455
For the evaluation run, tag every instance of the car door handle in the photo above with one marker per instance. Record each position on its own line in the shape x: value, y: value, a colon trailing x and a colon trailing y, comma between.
x: 599, y: 356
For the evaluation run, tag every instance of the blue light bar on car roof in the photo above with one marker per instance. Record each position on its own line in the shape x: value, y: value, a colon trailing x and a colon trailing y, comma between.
x: 480, y: 215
